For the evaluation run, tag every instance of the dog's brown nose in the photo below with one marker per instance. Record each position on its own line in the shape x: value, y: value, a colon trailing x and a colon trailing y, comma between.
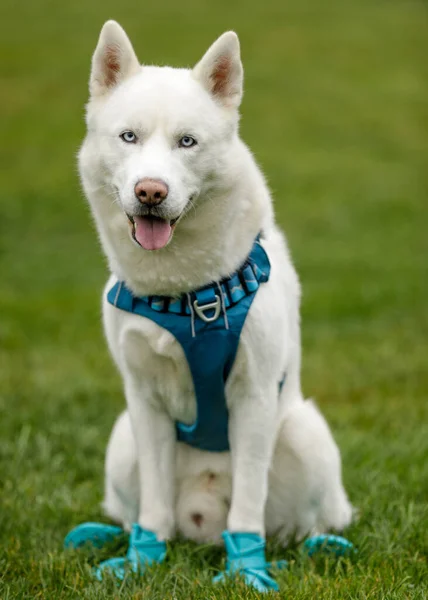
x: 151, y: 191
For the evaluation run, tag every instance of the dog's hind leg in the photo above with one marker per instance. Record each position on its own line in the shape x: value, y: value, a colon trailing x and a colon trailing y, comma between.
x: 306, y: 495
x: 121, y: 495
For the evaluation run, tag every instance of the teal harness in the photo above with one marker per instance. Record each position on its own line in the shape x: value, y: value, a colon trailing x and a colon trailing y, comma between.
x: 207, y: 323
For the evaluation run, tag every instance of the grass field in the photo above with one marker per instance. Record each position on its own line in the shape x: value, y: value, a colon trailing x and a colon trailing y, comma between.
x: 336, y: 111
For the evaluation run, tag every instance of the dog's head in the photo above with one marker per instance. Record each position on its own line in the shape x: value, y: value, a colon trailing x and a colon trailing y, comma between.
x: 159, y: 137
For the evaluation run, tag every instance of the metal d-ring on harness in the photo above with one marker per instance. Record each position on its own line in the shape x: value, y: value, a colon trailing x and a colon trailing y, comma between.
x: 207, y: 323
x: 200, y: 310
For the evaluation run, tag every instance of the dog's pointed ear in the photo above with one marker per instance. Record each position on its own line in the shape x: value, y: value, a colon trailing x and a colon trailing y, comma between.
x: 113, y: 61
x: 220, y: 70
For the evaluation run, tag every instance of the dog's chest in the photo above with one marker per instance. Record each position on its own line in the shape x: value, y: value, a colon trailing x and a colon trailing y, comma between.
x: 153, y: 357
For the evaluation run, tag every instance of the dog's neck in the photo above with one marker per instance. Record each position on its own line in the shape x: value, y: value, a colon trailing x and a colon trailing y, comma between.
x: 211, y: 241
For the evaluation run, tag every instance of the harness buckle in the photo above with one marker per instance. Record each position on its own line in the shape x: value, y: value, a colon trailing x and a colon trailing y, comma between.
x: 200, y: 310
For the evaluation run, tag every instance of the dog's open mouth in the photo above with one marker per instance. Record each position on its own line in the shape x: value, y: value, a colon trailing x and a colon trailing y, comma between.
x: 151, y: 232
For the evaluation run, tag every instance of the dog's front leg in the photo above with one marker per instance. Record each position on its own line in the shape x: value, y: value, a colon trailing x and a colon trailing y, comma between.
x: 252, y: 426
x: 154, y: 434
x: 251, y: 434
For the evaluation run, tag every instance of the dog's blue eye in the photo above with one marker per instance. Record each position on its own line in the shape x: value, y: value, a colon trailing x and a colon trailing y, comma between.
x: 187, y: 141
x: 129, y: 137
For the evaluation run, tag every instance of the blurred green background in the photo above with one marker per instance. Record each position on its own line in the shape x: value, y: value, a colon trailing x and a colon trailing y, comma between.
x: 336, y: 112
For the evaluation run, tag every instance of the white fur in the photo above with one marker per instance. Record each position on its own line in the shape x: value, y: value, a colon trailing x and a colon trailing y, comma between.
x: 283, y: 473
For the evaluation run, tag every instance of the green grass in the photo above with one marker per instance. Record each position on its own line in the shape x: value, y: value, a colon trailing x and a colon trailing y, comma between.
x: 336, y: 112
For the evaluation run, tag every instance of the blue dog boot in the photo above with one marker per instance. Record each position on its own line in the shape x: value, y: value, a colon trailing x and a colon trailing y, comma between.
x: 246, y: 557
x: 144, y: 549
x: 328, y: 543
x: 96, y: 534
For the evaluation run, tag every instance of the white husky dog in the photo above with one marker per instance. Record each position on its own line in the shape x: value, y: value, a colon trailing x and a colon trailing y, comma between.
x: 178, y: 201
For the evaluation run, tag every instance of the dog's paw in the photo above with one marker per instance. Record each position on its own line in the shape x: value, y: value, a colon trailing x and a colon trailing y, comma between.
x: 97, y: 534
x: 329, y: 544
x: 144, y: 549
x: 246, y: 559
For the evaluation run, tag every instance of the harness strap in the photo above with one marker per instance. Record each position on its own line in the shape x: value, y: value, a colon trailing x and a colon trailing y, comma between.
x: 243, y: 282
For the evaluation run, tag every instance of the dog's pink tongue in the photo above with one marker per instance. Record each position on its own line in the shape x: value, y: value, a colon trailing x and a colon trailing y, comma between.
x: 152, y: 234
